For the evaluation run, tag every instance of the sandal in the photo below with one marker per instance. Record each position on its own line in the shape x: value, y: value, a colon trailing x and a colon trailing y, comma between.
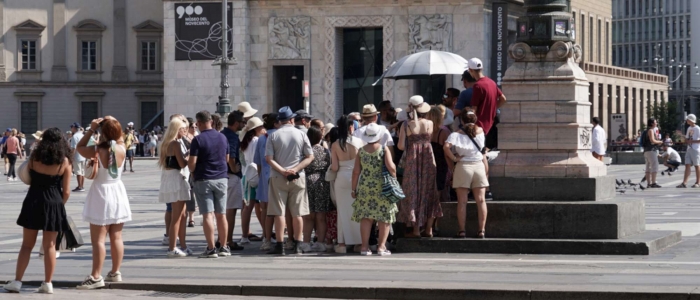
x: 191, y: 224
x: 461, y: 235
x: 695, y: 185
x: 481, y: 234
x: 681, y: 186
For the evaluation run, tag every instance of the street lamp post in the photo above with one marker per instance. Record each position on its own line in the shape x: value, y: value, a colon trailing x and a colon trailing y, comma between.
x: 223, y: 107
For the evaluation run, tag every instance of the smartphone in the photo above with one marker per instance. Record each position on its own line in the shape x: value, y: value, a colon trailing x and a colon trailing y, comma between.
x: 293, y: 177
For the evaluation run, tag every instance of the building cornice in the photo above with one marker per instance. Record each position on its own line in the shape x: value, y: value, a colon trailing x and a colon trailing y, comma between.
x: 74, y: 85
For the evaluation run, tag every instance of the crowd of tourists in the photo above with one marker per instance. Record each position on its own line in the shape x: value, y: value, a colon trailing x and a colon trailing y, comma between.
x: 322, y: 185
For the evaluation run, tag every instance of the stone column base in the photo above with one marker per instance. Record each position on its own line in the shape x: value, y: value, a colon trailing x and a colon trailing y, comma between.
x: 552, y: 189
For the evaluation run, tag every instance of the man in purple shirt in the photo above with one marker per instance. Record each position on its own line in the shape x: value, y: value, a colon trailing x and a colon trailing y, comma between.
x: 208, y: 164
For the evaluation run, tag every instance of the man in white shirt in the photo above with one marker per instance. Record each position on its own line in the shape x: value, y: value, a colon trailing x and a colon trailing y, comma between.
x: 369, y: 115
x: 692, y: 154
x: 78, y: 161
x: 671, y: 159
x: 599, y: 139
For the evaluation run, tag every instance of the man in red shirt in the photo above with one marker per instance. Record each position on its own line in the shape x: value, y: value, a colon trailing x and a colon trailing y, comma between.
x: 486, y: 97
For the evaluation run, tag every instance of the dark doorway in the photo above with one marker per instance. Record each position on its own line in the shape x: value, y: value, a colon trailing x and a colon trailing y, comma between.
x: 363, y: 49
x: 287, y: 87
x: 432, y: 88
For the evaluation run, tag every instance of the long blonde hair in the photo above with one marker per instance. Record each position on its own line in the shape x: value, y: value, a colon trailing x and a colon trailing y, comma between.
x: 437, y: 115
x: 170, y: 135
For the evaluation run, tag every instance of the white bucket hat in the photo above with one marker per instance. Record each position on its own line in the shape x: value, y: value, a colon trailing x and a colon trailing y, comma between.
x: 691, y: 118
x: 371, y: 134
x: 246, y: 109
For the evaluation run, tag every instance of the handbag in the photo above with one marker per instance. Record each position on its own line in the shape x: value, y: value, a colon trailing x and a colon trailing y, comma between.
x: 391, y: 189
x: 72, y: 236
x: 402, y: 161
x: 23, y: 173
x: 251, y: 175
x: 92, y: 166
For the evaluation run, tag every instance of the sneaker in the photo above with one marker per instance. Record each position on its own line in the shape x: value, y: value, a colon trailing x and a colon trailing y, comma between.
x: 45, y: 288
x: 655, y: 186
x: 91, y: 283
x: 384, y: 252
x: 318, y: 247
x: 209, y: 253
x: 297, y: 247
x: 13, y: 286
x: 278, y: 249
x: 187, y: 251
x: 114, y: 277
x: 244, y: 241
x: 289, y: 244
x: 273, y: 241
x: 166, y: 240
x: 233, y: 246
x: 488, y: 196
x: 366, y: 253
x: 303, y: 248
x: 224, y: 251
x: 176, y: 253
x: 254, y: 238
x: 265, y: 245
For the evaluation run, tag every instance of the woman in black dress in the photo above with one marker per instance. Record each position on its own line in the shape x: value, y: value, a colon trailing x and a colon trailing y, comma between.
x: 44, y: 206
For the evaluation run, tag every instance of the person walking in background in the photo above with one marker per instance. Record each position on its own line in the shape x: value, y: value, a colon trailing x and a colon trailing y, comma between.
x: 469, y: 166
x: 130, y: 140
x: 13, y: 151
x: 6, y: 161
x: 22, y: 143
x: 174, y: 186
x: 343, y: 156
x: 692, y: 153
x: 252, y: 132
x: 367, y: 182
x: 107, y: 204
x: 422, y: 203
x: 209, y: 155
x: 288, y: 151
x: 78, y: 160
x: 234, y: 189
x: 319, y: 192
x: 43, y: 208
x: 152, y: 143
x: 651, y: 154
x: 599, y: 139
x: 271, y: 125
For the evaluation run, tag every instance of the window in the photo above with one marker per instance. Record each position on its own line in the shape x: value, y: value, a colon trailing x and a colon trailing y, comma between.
x: 89, y: 56
x: 608, y: 42
x: 583, y: 33
x: 590, y: 41
x: 148, y: 56
x: 29, y: 116
x: 89, y: 110
x: 28, y: 55
x: 150, y: 114
x: 600, y: 44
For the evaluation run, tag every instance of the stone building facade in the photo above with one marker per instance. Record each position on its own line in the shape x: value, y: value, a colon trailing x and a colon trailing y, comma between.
x: 65, y: 61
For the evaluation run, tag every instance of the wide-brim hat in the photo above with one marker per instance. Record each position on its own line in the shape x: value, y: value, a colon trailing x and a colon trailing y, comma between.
x: 402, y: 116
x: 328, y: 127
x: 416, y: 100
x: 372, y: 133
x: 369, y: 110
x: 253, y: 123
x: 247, y: 110
x: 423, y: 108
x: 37, y: 135
x: 285, y: 113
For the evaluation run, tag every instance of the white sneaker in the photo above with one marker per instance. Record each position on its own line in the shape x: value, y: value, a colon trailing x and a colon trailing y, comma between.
x: 46, y: 288
x: 273, y: 241
x: 188, y: 251
x: 288, y: 245
x: 305, y: 247
x: 244, y: 241
x: 91, y: 283
x: 166, y: 240
x: 265, y: 245
x: 13, y: 286
x: 114, y: 277
x: 318, y: 247
x: 176, y: 253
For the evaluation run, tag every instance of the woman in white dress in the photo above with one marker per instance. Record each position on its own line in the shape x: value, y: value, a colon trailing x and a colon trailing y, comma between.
x: 174, y: 188
x: 106, y: 205
x: 343, y: 153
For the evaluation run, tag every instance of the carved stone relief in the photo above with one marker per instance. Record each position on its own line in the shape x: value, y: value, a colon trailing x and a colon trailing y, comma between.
x: 429, y: 32
x: 289, y: 37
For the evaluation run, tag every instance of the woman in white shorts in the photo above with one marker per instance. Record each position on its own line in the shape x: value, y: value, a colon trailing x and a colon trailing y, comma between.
x: 463, y: 149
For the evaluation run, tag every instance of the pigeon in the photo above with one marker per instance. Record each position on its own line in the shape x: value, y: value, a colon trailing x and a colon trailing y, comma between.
x: 619, y: 182
x: 662, y: 174
x: 642, y: 187
x: 635, y: 189
x: 622, y: 191
x: 643, y: 180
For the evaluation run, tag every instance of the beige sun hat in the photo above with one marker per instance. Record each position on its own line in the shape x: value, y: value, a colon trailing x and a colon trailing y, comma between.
x: 37, y: 135
x: 424, y: 108
x: 247, y: 110
x: 369, y: 110
x: 253, y: 123
x: 416, y: 100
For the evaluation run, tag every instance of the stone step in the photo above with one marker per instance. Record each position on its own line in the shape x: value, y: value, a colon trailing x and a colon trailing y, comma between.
x: 646, y: 243
x: 550, y: 220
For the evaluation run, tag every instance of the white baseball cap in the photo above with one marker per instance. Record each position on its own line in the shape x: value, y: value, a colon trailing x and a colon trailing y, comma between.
x: 475, y: 64
x: 691, y: 117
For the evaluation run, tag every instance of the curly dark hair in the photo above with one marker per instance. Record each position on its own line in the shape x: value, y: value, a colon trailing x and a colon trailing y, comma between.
x: 52, y: 149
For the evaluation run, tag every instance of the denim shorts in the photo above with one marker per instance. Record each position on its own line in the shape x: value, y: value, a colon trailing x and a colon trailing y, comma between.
x: 168, y: 207
x: 211, y: 195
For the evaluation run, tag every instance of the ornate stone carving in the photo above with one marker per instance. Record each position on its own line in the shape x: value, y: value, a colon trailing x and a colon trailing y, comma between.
x: 329, y: 46
x: 585, y: 138
x: 519, y: 51
x: 429, y: 32
x: 289, y: 37
x: 578, y: 53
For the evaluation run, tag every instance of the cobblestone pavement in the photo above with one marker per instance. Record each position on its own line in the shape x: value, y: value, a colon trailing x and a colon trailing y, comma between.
x: 674, y: 270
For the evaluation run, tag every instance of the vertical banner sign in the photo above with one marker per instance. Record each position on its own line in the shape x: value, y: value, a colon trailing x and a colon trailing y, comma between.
x: 198, y: 31
x: 618, y: 127
x: 499, y: 41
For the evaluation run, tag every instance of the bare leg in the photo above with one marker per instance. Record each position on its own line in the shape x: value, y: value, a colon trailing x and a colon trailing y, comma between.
x: 97, y: 238
x: 697, y: 174
x: 269, y: 224
x: 279, y: 227
x: 290, y: 225
x: 208, y: 220
x: 647, y: 175
x: 49, y: 243
x: 168, y: 219
x: 222, y: 226
x: 321, y: 227
x: 462, y: 196
x: 309, y: 221
x: 25, y: 252
x: 246, y: 213
x: 653, y: 178
x: 429, y: 226
x: 258, y: 213
x: 365, y: 227
x: 263, y: 222
x: 383, y: 234
x: 298, y: 228
x: 479, y: 195
x: 177, y: 228
x: 231, y: 220
x: 116, y: 246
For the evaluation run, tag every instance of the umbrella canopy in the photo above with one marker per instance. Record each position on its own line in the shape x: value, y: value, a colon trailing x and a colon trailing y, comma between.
x: 427, y: 63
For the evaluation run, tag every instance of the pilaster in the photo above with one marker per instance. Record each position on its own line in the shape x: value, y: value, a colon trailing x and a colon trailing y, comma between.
x: 59, y: 72
x: 119, y: 71
x: 3, y: 76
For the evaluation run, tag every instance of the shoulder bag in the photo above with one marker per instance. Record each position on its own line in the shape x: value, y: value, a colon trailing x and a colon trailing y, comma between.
x: 92, y: 166
x: 23, y: 172
x: 402, y: 161
x: 391, y: 189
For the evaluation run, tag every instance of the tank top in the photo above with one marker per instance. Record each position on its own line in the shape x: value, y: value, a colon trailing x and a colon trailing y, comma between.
x: 171, y: 163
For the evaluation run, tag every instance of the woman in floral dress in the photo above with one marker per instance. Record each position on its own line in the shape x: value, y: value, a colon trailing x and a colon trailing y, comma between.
x: 370, y: 205
x: 319, y: 191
